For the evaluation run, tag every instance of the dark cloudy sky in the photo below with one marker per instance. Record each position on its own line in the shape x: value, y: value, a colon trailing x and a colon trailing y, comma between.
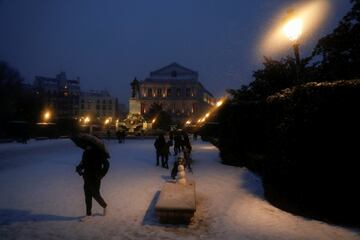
x: 109, y: 42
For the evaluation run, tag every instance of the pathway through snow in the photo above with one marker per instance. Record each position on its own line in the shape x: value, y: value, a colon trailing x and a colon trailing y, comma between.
x: 41, y: 198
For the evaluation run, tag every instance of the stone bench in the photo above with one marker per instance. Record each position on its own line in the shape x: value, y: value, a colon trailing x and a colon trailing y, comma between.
x: 176, y: 203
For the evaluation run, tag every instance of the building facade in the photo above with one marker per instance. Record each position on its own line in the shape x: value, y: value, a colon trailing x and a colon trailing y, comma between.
x: 64, y: 98
x: 60, y: 95
x: 176, y: 88
x: 98, y: 105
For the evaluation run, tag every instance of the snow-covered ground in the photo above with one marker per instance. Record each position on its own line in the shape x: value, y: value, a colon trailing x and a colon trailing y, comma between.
x: 41, y: 197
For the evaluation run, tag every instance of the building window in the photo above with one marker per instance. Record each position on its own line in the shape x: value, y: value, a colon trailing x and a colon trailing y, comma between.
x: 158, y: 92
x: 188, y: 92
x: 178, y: 92
x: 168, y: 92
x: 149, y: 92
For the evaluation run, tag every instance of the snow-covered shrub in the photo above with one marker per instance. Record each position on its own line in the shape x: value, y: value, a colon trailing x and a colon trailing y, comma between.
x: 313, y: 150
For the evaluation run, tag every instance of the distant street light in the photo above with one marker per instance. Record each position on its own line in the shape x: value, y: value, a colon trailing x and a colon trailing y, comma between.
x: 47, y: 116
x: 219, y: 103
x: 293, y: 29
x: 87, y: 120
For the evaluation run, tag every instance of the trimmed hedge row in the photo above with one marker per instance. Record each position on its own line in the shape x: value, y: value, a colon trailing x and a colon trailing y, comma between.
x: 304, y: 141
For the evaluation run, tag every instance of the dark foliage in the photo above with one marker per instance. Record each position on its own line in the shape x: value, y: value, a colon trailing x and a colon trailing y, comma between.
x: 312, y: 155
x: 163, y: 118
x: 302, y: 141
x: 17, y: 102
x: 339, y: 52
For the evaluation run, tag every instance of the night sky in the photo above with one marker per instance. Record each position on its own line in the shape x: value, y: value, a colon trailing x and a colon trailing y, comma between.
x: 109, y: 42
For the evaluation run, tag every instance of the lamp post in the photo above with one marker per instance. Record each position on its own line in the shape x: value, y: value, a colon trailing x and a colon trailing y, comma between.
x: 293, y: 30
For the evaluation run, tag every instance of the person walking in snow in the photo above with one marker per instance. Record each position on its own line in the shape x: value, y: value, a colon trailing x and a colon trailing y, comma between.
x: 165, y: 154
x: 159, y: 145
x: 93, y: 167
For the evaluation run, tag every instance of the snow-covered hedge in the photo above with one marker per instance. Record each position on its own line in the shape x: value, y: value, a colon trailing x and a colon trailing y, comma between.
x: 304, y: 142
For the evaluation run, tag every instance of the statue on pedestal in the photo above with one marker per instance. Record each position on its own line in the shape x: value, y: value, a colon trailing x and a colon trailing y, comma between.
x: 135, y: 88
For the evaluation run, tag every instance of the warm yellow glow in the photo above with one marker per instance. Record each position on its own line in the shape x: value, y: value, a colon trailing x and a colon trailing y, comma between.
x: 207, y: 115
x: 47, y: 116
x: 188, y: 122
x: 293, y: 29
x: 107, y: 121
x: 153, y: 121
x: 219, y: 103
x: 203, y: 120
x: 306, y: 18
x: 87, y: 120
x: 199, y: 120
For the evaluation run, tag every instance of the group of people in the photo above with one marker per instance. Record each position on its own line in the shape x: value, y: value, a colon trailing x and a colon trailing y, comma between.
x: 180, y: 141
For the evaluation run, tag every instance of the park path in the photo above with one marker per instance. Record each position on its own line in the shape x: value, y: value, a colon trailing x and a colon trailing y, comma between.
x: 41, y: 198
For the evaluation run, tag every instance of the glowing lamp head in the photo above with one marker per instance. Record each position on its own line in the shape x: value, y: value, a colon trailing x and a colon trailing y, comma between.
x: 153, y: 121
x: 188, y: 122
x: 47, y: 116
x: 107, y: 121
x: 219, y: 103
x: 293, y: 29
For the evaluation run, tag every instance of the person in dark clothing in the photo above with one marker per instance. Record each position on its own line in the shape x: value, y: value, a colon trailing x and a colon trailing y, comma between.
x: 165, y: 155
x: 119, y: 136
x: 123, y: 136
x: 185, y: 143
x: 159, y: 145
x: 177, y: 143
x: 93, y: 167
x: 108, y: 134
x: 195, y: 136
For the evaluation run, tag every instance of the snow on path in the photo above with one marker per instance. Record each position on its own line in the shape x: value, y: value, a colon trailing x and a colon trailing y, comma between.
x: 41, y: 198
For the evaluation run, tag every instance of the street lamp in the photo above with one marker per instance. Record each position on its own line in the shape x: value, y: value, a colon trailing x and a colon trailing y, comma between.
x: 47, y: 116
x: 293, y: 29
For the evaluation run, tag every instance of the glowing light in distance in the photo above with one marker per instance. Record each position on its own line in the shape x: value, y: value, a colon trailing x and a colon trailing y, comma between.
x: 293, y: 29
x: 87, y: 119
x: 47, y: 115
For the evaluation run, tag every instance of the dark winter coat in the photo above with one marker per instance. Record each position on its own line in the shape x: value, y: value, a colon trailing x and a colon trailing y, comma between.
x: 159, y: 143
x: 94, y: 165
x: 166, y: 148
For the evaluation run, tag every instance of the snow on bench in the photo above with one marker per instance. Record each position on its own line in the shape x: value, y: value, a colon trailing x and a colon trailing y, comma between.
x: 177, y: 203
